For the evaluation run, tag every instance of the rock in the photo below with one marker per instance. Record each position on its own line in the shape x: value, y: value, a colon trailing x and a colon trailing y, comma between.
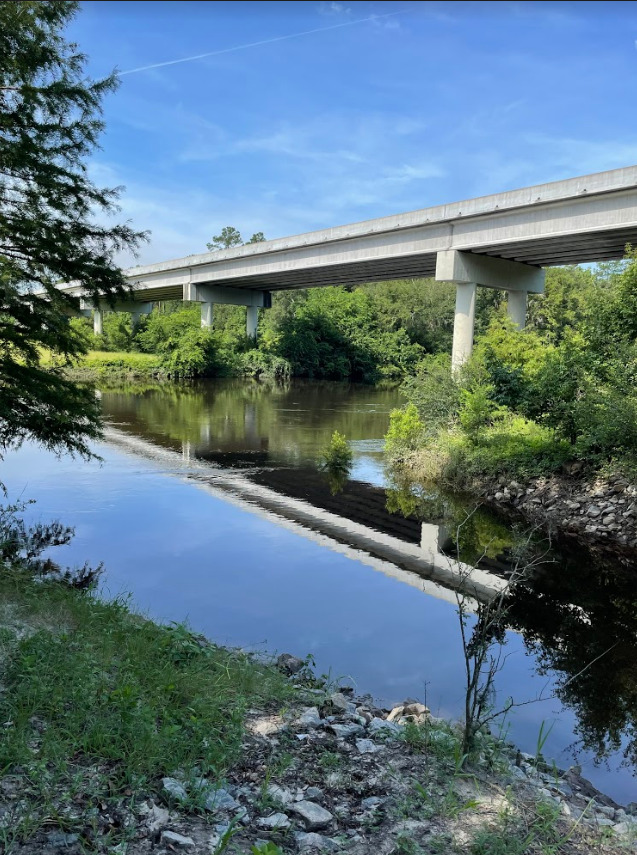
x: 367, y: 746
x: 175, y: 789
x: 157, y: 818
x: 280, y: 794
x: 314, y: 816
x: 372, y: 802
x: 344, y: 731
x: 396, y: 713
x: 171, y: 838
x: 243, y: 816
x: 594, y: 511
x: 363, y: 712
x: 606, y: 810
x: 311, y: 840
x: 60, y: 839
x: 631, y: 808
x: 274, y: 821
x: 339, y: 702
x: 609, y: 520
x: 518, y: 773
x: 499, y: 496
x: 602, y: 820
x: 220, y: 799
x: 380, y: 726
x: 310, y: 717
x: 622, y: 828
x: 289, y: 664
x: 313, y: 793
x: 415, y: 709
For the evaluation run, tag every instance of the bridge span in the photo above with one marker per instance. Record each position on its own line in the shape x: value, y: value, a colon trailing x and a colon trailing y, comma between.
x: 500, y: 241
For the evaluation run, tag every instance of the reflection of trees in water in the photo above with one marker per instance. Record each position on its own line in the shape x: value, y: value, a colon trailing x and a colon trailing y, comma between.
x: 580, y: 621
x: 577, y: 616
x: 293, y: 417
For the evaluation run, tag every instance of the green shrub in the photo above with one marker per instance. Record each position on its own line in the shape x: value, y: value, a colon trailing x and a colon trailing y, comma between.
x: 337, y: 456
x: 405, y: 432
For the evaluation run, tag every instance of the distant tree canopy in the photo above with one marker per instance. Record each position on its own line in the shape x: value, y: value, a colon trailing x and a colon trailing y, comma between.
x: 50, y: 122
x: 230, y: 237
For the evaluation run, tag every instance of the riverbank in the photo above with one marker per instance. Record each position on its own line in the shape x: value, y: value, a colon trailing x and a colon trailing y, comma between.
x: 599, y: 512
x: 124, y: 736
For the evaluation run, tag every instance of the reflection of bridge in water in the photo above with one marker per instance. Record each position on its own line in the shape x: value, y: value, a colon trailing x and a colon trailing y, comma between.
x: 354, y: 523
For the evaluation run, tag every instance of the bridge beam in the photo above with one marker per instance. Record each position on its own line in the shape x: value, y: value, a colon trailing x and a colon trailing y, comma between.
x: 468, y: 270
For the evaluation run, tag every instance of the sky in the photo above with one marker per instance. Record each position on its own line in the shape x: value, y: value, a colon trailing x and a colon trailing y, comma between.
x: 286, y: 117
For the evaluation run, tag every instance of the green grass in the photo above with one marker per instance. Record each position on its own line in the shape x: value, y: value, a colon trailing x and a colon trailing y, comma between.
x: 100, y: 700
x: 98, y: 364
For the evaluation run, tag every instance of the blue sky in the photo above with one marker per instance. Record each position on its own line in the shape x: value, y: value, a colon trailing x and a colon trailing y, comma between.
x: 350, y: 110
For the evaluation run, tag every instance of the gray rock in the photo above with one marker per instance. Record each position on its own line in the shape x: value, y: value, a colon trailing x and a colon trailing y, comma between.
x: 372, y: 802
x: 606, y: 810
x: 60, y: 839
x: 243, y: 816
x: 280, y: 794
x: 313, y: 793
x: 312, y: 840
x: 343, y: 731
x: 274, y: 821
x: 157, y: 818
x: 367, y: 746
x: 289, y: 664
x: 171, y: 838
x: 380, y: 726
x: 310, y: 718
x: 314, y: 816
x: 594, y: 511
x: 339, y: 702
x: 175, y: 789
x: 220, y: 800
x: 602, y: 820
x: 518, y: 773
x: 622, y: 828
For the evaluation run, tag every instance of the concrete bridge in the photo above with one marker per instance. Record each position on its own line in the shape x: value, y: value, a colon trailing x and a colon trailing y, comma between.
x: 501, y: 241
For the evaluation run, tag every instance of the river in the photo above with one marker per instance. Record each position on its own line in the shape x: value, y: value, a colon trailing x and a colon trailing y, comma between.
x: 208, y: 507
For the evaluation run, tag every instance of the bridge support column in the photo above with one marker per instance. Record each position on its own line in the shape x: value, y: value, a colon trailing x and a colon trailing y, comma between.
x: 516, y: 307
x: 98, y: 321
x: 207, y: 313
x: 463, y: 324
x: 139, y: 309
x: 252, y: 318
x: 467, y: 270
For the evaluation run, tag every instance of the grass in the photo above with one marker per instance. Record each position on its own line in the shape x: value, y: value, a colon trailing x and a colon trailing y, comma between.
x: 99, y: 364
x: 99, y: 700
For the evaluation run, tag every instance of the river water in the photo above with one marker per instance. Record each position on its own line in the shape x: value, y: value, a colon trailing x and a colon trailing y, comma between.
x: 208, y: 506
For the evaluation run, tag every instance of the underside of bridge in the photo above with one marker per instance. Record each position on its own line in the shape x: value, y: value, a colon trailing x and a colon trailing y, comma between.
x: 501, y: 241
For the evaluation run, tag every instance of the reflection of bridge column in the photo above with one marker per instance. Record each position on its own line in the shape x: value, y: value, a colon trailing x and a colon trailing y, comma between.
x: 98, y: 321
x: 250, y: 421
x: 185, y: 449
x: 467, y: 270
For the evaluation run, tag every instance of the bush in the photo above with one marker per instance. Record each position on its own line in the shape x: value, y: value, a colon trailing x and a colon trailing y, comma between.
x: 405, y: 431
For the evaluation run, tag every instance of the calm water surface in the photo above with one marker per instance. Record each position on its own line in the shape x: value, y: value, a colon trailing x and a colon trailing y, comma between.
x: 208, y: 506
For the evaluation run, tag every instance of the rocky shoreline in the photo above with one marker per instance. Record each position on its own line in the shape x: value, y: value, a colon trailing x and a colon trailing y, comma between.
x: 600, y: 513
x: 334, y: 773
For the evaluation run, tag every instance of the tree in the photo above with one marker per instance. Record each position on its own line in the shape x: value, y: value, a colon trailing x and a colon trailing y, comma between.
x: 229, y: 237
x: 50, y: 122
x: 257, y: 237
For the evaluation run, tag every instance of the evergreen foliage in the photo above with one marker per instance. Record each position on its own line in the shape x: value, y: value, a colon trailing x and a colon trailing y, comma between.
x: 50, y: 122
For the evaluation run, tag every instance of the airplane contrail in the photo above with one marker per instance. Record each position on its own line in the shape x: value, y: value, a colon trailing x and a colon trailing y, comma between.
x: 257, y: 44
